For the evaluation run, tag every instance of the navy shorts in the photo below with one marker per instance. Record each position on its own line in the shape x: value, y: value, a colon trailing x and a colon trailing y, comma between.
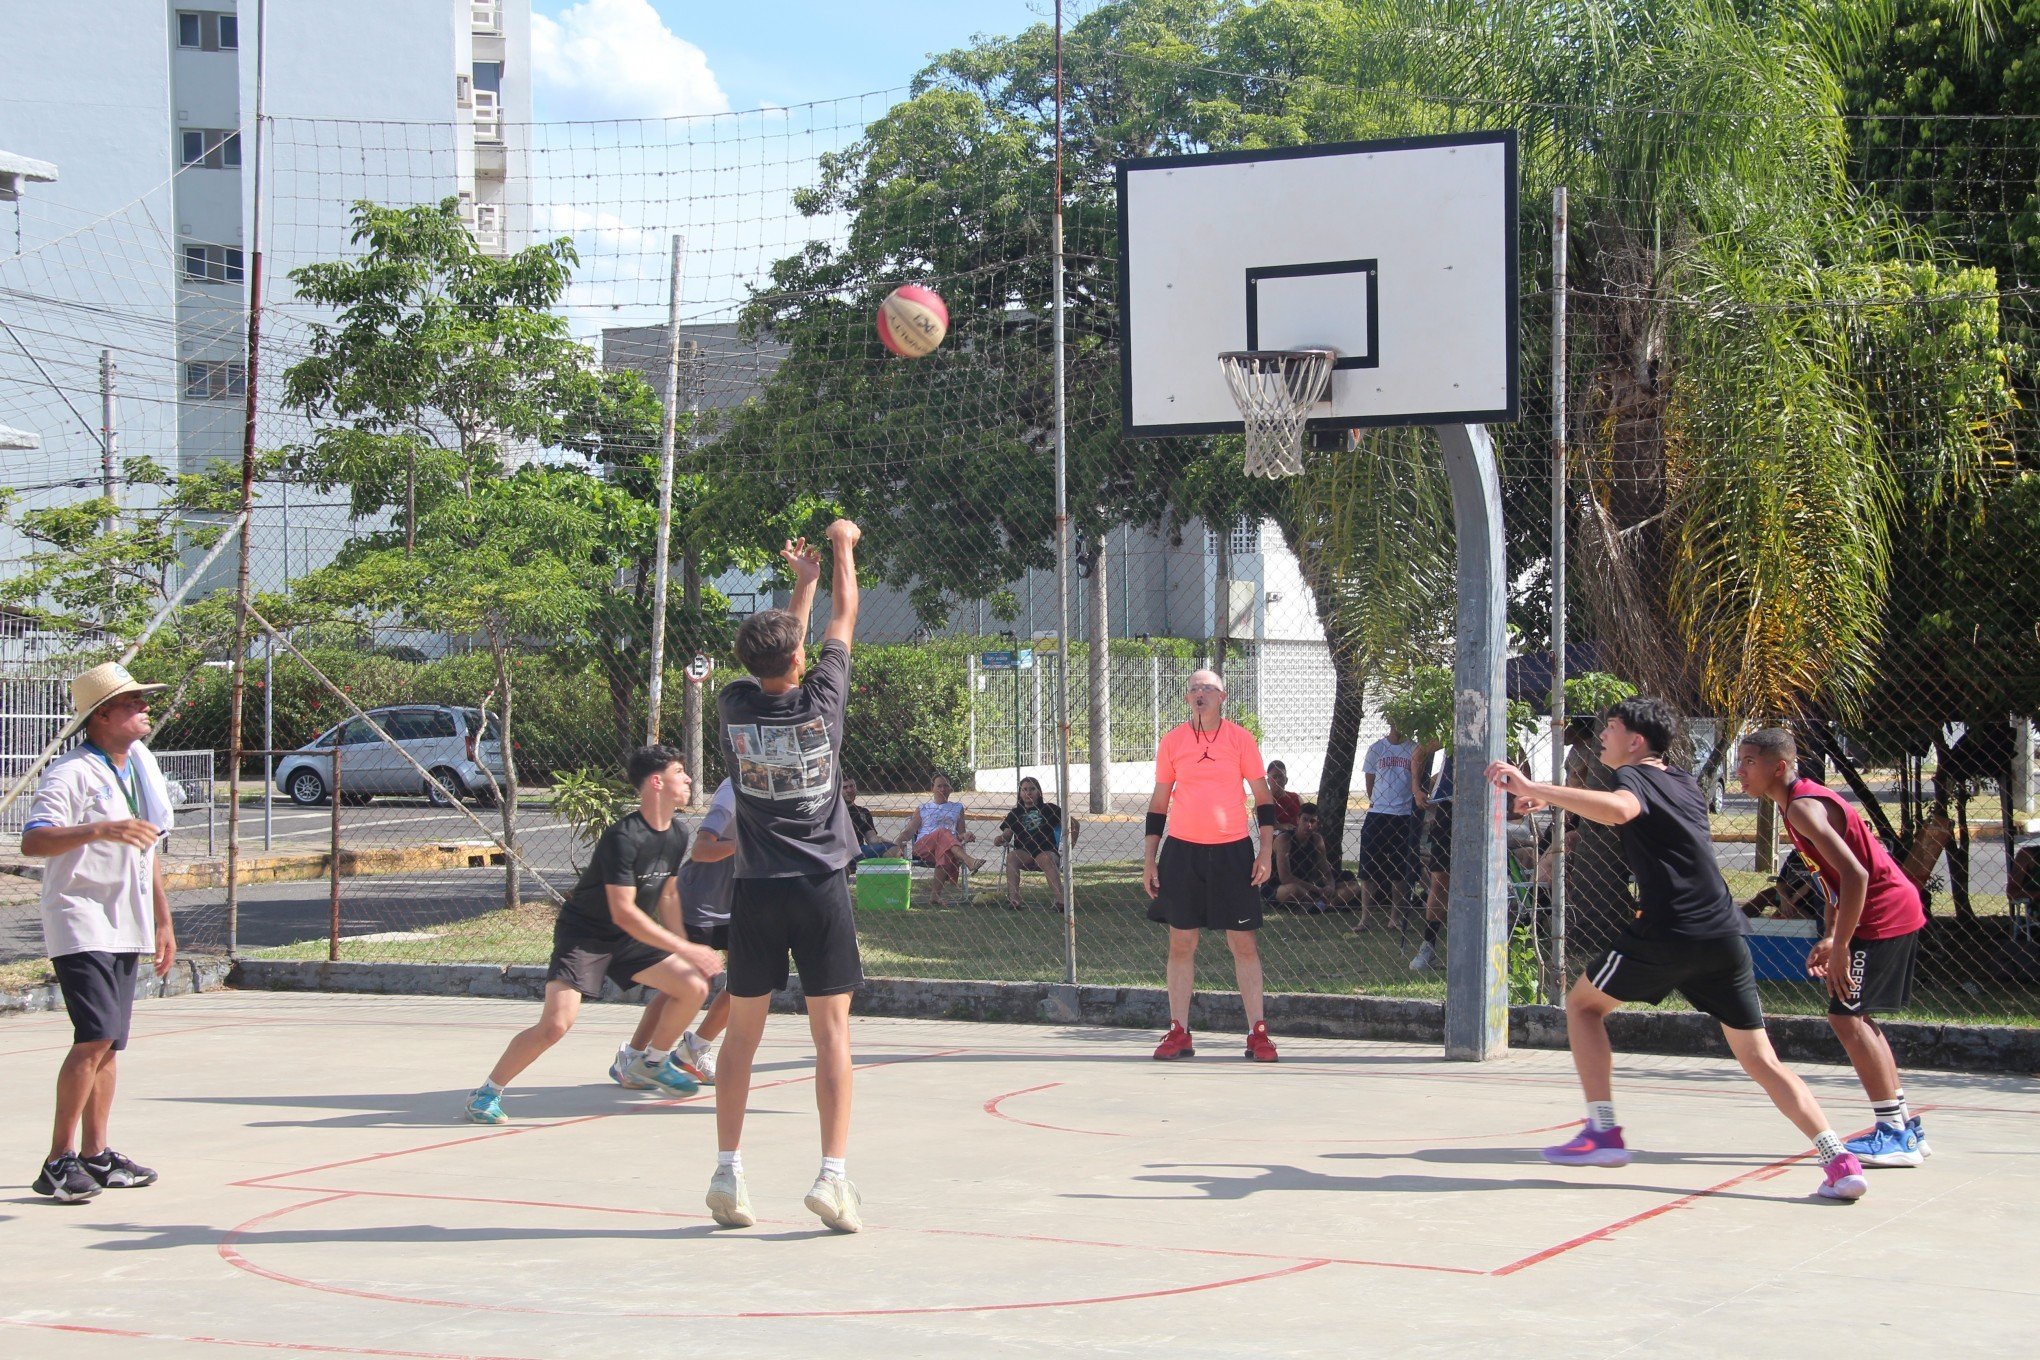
x: 99, y: 993
x: 1880, y: 974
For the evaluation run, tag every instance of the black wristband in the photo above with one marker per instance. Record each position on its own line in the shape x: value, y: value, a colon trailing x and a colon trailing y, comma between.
x: 1264, y: 813
x: 1157, y: 823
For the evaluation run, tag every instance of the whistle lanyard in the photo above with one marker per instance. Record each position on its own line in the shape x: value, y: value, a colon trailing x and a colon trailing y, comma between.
x: 126, y: 780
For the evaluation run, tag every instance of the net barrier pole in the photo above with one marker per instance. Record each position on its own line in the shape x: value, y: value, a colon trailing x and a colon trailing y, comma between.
x: 662, y: 551
x: 333, y: 859
x: 1559, y: 244
x: 1062, y: 532
x: 71, y: 725
x: 1477, y: 915
x: 238, y: 679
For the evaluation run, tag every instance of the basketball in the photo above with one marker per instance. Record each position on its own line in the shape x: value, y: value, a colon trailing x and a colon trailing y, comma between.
x: 912, y: 320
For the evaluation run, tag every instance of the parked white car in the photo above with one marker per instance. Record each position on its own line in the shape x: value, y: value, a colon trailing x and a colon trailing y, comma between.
x: 453, y: 743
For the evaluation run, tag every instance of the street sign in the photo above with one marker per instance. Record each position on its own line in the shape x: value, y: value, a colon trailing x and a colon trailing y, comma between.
x: 1022, y: 660
x: 699, y: 667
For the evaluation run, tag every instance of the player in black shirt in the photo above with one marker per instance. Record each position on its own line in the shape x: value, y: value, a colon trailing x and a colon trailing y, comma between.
x: 622, y: 922
x: 1032, y: 833
x: 1688, y: 936
x: 782, y: 735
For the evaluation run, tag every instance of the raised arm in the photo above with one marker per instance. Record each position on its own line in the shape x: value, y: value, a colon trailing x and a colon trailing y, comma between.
x: 843, y: 538
x: 806, y: 564
x: 1610, y: 808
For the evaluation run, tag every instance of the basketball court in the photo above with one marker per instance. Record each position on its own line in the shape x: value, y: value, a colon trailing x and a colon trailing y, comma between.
x: 1027, y: 1190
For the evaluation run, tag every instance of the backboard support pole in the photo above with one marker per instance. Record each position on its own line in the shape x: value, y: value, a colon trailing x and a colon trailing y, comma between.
x: 1477, y: 910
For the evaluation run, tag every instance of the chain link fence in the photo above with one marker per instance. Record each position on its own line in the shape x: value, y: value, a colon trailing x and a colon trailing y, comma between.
x: 1800, y: 487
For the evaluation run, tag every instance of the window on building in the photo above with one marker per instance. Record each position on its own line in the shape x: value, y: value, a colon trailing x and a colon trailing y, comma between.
x: 205, y: 31
x: 489, y: 76
x: 215, y: 379
x: 212, y: 264
x: 212, y: 148
x: 1245, y: 538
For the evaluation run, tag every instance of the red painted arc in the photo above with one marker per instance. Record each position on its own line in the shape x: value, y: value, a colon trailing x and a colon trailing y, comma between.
x: 993, y: 1108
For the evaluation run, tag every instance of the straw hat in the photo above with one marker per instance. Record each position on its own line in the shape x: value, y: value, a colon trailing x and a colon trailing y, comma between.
x: 101, y: 683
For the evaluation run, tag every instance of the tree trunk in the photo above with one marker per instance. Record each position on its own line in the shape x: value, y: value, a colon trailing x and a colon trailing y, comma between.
x: 690, y: 695
x: 512, y: 893
x: 1349, y: 694
x: 1099, y: 662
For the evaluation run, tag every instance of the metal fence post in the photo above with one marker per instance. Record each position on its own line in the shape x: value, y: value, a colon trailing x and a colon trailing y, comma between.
x: 333, y: 867
x: 1559, y: 716
x: 1477, y: 917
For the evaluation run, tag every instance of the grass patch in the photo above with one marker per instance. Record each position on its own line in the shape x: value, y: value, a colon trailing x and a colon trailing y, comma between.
x: 25, y: 973
x: 1118, y: 946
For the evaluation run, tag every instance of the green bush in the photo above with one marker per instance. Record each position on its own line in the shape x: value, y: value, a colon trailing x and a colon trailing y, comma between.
x: 909, y: 717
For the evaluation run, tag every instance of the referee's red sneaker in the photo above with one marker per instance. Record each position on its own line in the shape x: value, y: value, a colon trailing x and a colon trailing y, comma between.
x: 1259, y: 1046
x: 1175, y: 1044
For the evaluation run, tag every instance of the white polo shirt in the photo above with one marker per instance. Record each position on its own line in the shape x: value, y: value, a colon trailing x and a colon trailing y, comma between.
x: 98, y: 897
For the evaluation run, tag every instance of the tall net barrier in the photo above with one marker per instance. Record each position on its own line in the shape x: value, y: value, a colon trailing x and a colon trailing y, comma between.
x: 1797, y: 432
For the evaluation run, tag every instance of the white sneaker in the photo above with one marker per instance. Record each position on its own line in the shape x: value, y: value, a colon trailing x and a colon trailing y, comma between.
x: 697, y: 1055
x: 728, y: 1201
x: 835, y: 1201
x: 1426, y: 956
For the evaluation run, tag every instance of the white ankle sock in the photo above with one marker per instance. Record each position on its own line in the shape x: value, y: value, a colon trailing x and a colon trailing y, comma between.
x: 1826, y: 1146
x: 733, y: 1160
x: 629, y: 1054
x: 656, y: 1057
x: 833, y: 1166
x: 1892, y: 1111
x: 1600, y: 1115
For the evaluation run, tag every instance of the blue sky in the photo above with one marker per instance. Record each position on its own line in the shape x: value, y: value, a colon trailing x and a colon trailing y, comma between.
x: 653, y: 58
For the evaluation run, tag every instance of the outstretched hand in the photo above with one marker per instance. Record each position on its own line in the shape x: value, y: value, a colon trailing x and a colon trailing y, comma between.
x: 844, y: 534
x: 1516, y: 784
x: 804, y: 561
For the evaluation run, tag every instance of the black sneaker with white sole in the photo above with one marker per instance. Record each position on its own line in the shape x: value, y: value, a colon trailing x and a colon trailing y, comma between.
x: 65, y: 1180
x: 115, y: 1172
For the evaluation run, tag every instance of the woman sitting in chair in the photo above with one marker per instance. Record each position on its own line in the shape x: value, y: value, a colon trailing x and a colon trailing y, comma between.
x: 1032, y: 833
x: 937, y: 833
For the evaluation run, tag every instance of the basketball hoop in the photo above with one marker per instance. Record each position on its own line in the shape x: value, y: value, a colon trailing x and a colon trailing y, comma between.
x: 1275, y: 390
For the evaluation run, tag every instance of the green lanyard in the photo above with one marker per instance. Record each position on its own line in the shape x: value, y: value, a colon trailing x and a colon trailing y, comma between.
x: 125, y: 780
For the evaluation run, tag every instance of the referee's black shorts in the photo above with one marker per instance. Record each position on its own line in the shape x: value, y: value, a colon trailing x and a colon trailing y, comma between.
x: 1206, y: 887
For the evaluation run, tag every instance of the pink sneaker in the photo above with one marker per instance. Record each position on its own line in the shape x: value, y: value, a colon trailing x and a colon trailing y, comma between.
x: 1591, y: 1149
x: 1843, y: 1178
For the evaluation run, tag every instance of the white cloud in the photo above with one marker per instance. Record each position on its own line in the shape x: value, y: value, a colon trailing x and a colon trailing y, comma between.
x: 617, y: 59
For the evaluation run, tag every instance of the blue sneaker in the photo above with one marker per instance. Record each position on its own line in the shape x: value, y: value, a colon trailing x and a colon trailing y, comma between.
x: 1887, y: 1145
x: 484, y: 1108
x: 669, y: 1077
x: 1919, y: 1133
x: 621, y: 1072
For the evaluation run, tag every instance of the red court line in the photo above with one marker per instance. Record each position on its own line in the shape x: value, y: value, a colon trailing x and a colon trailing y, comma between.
x: 332, y: 1193
x: 232, y: 1256
x: 264, y: 1182
x: 299, y: 1347
x: 1764, y: 1172
x: 991, y: 1107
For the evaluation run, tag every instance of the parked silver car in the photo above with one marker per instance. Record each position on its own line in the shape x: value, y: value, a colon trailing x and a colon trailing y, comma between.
x: 452, y: 743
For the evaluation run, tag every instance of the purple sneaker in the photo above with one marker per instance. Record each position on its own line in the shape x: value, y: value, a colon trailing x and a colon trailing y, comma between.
x: 1592, y: 1149
x: 1843, y: 1178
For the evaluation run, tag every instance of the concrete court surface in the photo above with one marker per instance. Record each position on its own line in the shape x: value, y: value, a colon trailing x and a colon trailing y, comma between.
x: 1028, y: 1191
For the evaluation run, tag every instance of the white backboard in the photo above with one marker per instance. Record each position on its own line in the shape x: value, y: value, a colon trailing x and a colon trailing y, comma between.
x: 1400, y: 255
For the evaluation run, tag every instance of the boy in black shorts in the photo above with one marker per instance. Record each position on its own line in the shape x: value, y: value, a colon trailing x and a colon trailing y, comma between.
x: 1688, y: 937
x: 611, y: 927
x: 705, y: 919
x: 782, y: 736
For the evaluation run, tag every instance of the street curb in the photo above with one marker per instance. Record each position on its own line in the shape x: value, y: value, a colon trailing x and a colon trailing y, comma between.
x: 1799, y: 1038
x: 191, y: 973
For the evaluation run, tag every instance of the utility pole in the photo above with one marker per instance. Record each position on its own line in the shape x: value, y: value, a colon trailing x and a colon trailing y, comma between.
x: 109, y: 486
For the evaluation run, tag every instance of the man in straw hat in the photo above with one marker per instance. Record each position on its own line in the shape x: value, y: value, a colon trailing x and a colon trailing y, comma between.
x: 98, y: 815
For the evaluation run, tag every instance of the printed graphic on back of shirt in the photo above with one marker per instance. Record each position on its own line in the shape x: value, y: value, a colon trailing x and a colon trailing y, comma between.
x: 788, y: 763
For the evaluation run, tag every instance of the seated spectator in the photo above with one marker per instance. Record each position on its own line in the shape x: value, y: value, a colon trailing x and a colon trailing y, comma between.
x: 1032, y: 834
x: 1310, y: 879
x: 869, y: 843
x: 1288, y: 808
x: 937, y: 833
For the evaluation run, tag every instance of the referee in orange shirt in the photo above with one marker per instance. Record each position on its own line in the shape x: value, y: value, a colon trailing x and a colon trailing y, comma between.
x: 1207, y: 874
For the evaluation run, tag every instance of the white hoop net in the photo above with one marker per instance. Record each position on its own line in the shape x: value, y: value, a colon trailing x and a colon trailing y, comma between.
x: 1275, y: 389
